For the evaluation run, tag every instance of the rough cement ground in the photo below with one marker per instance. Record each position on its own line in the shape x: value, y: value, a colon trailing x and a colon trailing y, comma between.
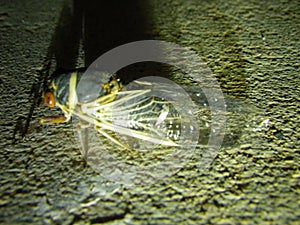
x: 253, y: 49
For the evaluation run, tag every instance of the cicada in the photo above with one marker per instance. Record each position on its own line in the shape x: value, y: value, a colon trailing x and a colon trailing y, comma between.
x: 142, y: 111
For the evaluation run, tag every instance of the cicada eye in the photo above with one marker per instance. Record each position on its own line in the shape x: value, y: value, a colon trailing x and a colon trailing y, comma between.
x: 49, y: 99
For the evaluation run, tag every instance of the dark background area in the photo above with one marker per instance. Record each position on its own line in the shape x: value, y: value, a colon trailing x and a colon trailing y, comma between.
x: 101, y: 25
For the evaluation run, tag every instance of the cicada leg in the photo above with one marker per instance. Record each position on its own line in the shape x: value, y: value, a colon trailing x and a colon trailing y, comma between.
x: 83, y: 133
x: 109, y: 137
x: 53, y: 119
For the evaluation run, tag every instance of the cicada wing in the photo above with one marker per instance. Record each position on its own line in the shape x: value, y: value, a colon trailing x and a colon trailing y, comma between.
x: 152, y: 114
x: 134, y: 117
x: 150, y: 121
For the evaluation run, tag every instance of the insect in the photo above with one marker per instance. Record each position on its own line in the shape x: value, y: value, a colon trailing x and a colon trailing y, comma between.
x: 139, y: 110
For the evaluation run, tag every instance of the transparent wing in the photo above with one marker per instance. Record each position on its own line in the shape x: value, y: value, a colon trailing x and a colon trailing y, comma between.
x: 152, y: 115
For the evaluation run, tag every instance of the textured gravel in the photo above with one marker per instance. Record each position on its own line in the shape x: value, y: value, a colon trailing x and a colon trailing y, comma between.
x: 253, y: 49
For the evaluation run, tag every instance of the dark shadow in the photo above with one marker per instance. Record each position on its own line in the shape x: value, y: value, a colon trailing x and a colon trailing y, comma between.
x: 99, y: 26
x: 66, y: 39
x: 108, y: 24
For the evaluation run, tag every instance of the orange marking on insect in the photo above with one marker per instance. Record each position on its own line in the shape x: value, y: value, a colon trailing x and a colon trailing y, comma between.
x: 49, y: 99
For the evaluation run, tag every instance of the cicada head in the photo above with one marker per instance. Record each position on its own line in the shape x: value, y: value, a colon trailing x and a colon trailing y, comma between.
x: 57, y: 93
x: 62, y: 86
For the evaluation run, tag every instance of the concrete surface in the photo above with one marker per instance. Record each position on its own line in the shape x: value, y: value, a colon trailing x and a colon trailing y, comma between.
x: 253, y: 49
